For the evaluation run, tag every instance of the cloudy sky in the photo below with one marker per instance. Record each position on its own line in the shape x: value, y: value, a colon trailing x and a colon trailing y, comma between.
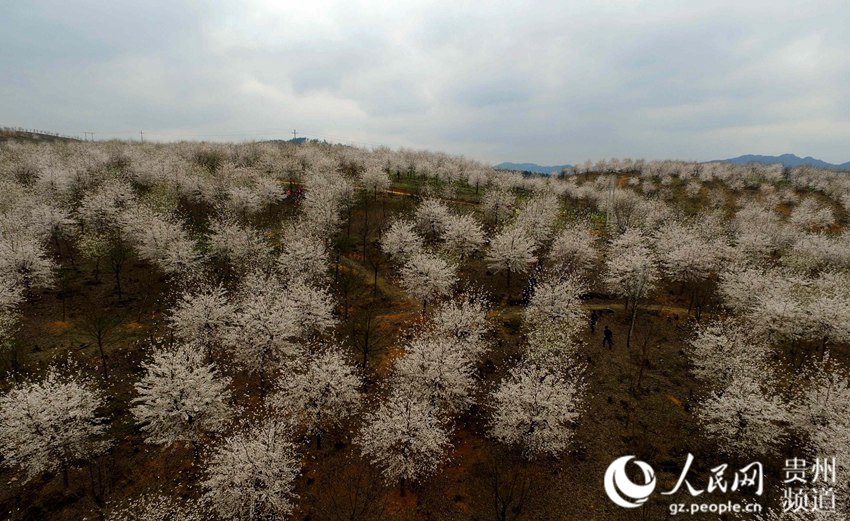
x: 548, y: 82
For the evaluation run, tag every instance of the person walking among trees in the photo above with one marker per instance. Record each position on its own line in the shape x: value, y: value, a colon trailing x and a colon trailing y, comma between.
x: 608, y: 338
x: 594, y: 318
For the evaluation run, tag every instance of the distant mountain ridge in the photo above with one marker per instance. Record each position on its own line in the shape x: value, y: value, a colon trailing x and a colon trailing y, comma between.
x: 531, y: 167
x: 786, y: 160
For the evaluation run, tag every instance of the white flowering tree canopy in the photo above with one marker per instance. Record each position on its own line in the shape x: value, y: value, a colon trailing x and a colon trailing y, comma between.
x: 432, y: 218
x: 401, y: 241
x: 25, y: 261
x: 743, y: 419
x: 511, y: 250
x: 11, y: 293
x: 251, y: 474
x: 463, y: 320
x: 428, y: 277
x: 318, y: 392
x: 202, y: 316
x: 463, y: 235
x: 556, y: 301
x: 686, y: 255
x: 375, y: 179
x: 726, y: 348
x: 405, y: 438
x: 538, y: 216
x: 536, y: 409
x: 820, y: 414
x: 49, y: 424
x: 239, y: 246
x: 573, y: 249
x: 437, y: 369
x: 180, y: 396
x: 157, y: 507
x: 303, y: 256
x: 265, y: 323
x: 632, y: 267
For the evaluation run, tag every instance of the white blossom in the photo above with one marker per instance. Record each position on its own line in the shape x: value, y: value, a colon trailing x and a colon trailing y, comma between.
x: 50, y: 424
x: 573, y: 249
x: 826, y: 303
x: 432, y: 218
x: 684, y: 255
x: 318, y: 393
x: 743, y: 419
x: 25, y: 261
x: 240, y: 246
x: 724, y: 349
x: 463, y: 320
x: 463, y: 235
x: 427, y: 277
x: 438, y: 370
x: 202, y: 316
x: 180, y: 396
x: 265, y: 325
x: 401, y: 242
x: 11, y: 293
x: 157, y: 507
x: 821, y: 412
x: 251, y: 475
x: 557, y: 302
x: 303, y: 256
x: 498, y: 203
x: 631, y: 268
x: 375, y: 179
x: 810, y: 215
x: 161, y: 241
x: 538, y: 216
x: 313, y: 307
x: 404, y: 439
x: 511, y: 250
x: 537, y: 409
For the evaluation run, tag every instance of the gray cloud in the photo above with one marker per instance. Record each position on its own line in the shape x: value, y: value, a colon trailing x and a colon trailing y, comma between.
x: 549, y: 82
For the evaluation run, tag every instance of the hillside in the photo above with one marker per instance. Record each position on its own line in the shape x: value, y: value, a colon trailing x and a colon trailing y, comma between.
x: 32, y: 136
x: 188, y: 323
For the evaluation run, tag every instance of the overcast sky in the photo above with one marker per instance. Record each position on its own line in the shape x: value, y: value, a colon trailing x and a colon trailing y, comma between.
x: 548, y: 82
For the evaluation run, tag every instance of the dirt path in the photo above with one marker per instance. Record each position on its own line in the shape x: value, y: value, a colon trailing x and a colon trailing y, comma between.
x: 446, y: 199
x: 384, y: 286
x: 391, y: 290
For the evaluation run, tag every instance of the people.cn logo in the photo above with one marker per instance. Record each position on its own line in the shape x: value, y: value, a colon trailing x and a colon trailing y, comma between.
x: 622, y: 490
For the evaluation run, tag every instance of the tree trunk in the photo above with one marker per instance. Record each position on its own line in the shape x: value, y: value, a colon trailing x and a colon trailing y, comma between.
x: 366, y: 342
x: 631, y: 325
x: 102, y: 355
x: 365, y: 229
x: 116, y: 268
x: 643, y: 361
x: 262, y: 377
x: 348, y: 225
x: 196, y: 449
x: 336, y: 266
